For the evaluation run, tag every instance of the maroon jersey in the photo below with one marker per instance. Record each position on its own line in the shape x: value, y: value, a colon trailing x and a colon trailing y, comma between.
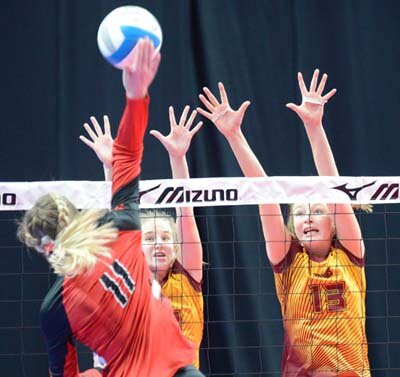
x: 112, y: 309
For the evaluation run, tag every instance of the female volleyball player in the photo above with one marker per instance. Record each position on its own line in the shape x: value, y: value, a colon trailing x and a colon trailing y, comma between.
x: 104, y: 296
x: 318, y: 259
x: 173, y: 249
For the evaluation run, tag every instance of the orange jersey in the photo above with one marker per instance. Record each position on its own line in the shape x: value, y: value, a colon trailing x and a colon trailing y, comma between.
x: 187, y: 302
x: 323, y: 310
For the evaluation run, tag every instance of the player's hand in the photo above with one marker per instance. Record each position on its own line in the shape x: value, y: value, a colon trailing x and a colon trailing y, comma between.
x: 91, y: 373
x: 140, y: 74
x: 227, y: 120
x: 101, y: 142
x: 311, y: 109
x: 178, y: 140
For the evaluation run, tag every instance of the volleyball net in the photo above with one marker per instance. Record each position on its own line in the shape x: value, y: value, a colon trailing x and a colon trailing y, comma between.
x: 243, y: 333
x: 208, y: 192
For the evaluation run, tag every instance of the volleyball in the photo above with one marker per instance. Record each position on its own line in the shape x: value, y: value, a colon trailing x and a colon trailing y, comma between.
x: 121, y: 29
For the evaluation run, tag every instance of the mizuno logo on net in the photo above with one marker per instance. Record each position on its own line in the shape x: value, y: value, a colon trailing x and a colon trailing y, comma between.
x: 179, y: 194
x: 384, y: 191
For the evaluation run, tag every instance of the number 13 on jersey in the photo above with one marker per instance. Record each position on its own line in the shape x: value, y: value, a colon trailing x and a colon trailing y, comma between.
x: 328, y: 297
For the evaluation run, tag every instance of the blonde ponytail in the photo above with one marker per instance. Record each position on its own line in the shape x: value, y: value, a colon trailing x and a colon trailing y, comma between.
x: 78, y: 239
x: 81, y: 243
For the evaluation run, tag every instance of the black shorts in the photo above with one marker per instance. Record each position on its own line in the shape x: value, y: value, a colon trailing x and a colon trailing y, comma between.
x: 188, y: 371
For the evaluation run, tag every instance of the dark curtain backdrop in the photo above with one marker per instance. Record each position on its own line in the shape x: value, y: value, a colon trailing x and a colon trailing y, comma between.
x: 54, y: 78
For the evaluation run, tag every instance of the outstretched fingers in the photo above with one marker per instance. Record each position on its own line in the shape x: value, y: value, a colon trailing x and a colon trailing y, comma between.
x: 160, y: 137
x: 155, y: 60
x: 302, y: 85
x: 314, y: 91
x: 172, y: 119
x: 90, y: 131
x: 293, y: 107
x: 107, y: 128
x: 190, y: 120
x: 185, y: 112
x: 243, y: 107
x: 329, y: 95
x: 321, y: 85
x: 314, y: 80
x: 96, y: 126
x: 196, y: 128
x: 206, y: 103
x: 222, y: 92
x: 211, y: 96
x: 204, y: 113
x: 89, y: 143
x: 137, y: 55
x: 147, y: 51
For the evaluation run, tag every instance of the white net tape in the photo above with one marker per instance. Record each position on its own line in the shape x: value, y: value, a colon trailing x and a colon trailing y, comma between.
x: 204, y: 192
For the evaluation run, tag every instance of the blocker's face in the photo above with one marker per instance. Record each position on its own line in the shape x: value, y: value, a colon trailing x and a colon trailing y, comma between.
x: 158, y: 243
x: 313, y: 224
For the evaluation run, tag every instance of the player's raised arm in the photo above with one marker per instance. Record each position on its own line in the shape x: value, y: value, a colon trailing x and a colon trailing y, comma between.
x: 128, y: 145
x: 228, y: 122
x: 177, y: 143
x: 311, y: 111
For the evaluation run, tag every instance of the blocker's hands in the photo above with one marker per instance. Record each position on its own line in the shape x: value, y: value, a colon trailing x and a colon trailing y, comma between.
x: 101, y: 142
x: 227, y: 120
x: 311, y: 109
x: 178, y: 140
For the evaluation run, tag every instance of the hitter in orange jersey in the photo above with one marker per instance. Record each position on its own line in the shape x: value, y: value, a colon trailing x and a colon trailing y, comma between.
x: 173, y: 248
x: 318, y: 260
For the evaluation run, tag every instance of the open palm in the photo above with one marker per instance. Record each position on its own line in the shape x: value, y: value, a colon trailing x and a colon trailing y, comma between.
x: 227, y: 120
x: 101, y: 142
x: 311, y: 109
x: 178, y: 140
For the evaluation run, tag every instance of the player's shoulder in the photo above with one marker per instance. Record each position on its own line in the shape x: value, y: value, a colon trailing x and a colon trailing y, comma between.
x: 179, y: 275
x: 52, y: 311
x: 341, y: 253
x: 53, y: 297
x: 295, y: 256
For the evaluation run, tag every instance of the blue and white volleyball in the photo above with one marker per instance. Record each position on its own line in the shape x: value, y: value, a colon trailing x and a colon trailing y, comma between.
x: 121, y: 29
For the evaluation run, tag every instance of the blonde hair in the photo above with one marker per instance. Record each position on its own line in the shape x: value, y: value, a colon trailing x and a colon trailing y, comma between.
x: 153, y: 214
x: 78, y: 239
x: 290, y: 221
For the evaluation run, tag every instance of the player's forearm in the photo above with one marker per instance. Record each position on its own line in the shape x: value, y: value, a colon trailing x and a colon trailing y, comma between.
x: 188, y: 233
x: 246, y: 158
x: 128, y: 145
x: 107, y: 173
x: 273, y: 226
x: 322, y: 152
x: 180, y: 169
x: 191, y: 256
x: 133, y: 124
x: 186, y: 224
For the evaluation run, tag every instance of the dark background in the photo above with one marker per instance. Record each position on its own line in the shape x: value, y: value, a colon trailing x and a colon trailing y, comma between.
x: 54, y: 78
